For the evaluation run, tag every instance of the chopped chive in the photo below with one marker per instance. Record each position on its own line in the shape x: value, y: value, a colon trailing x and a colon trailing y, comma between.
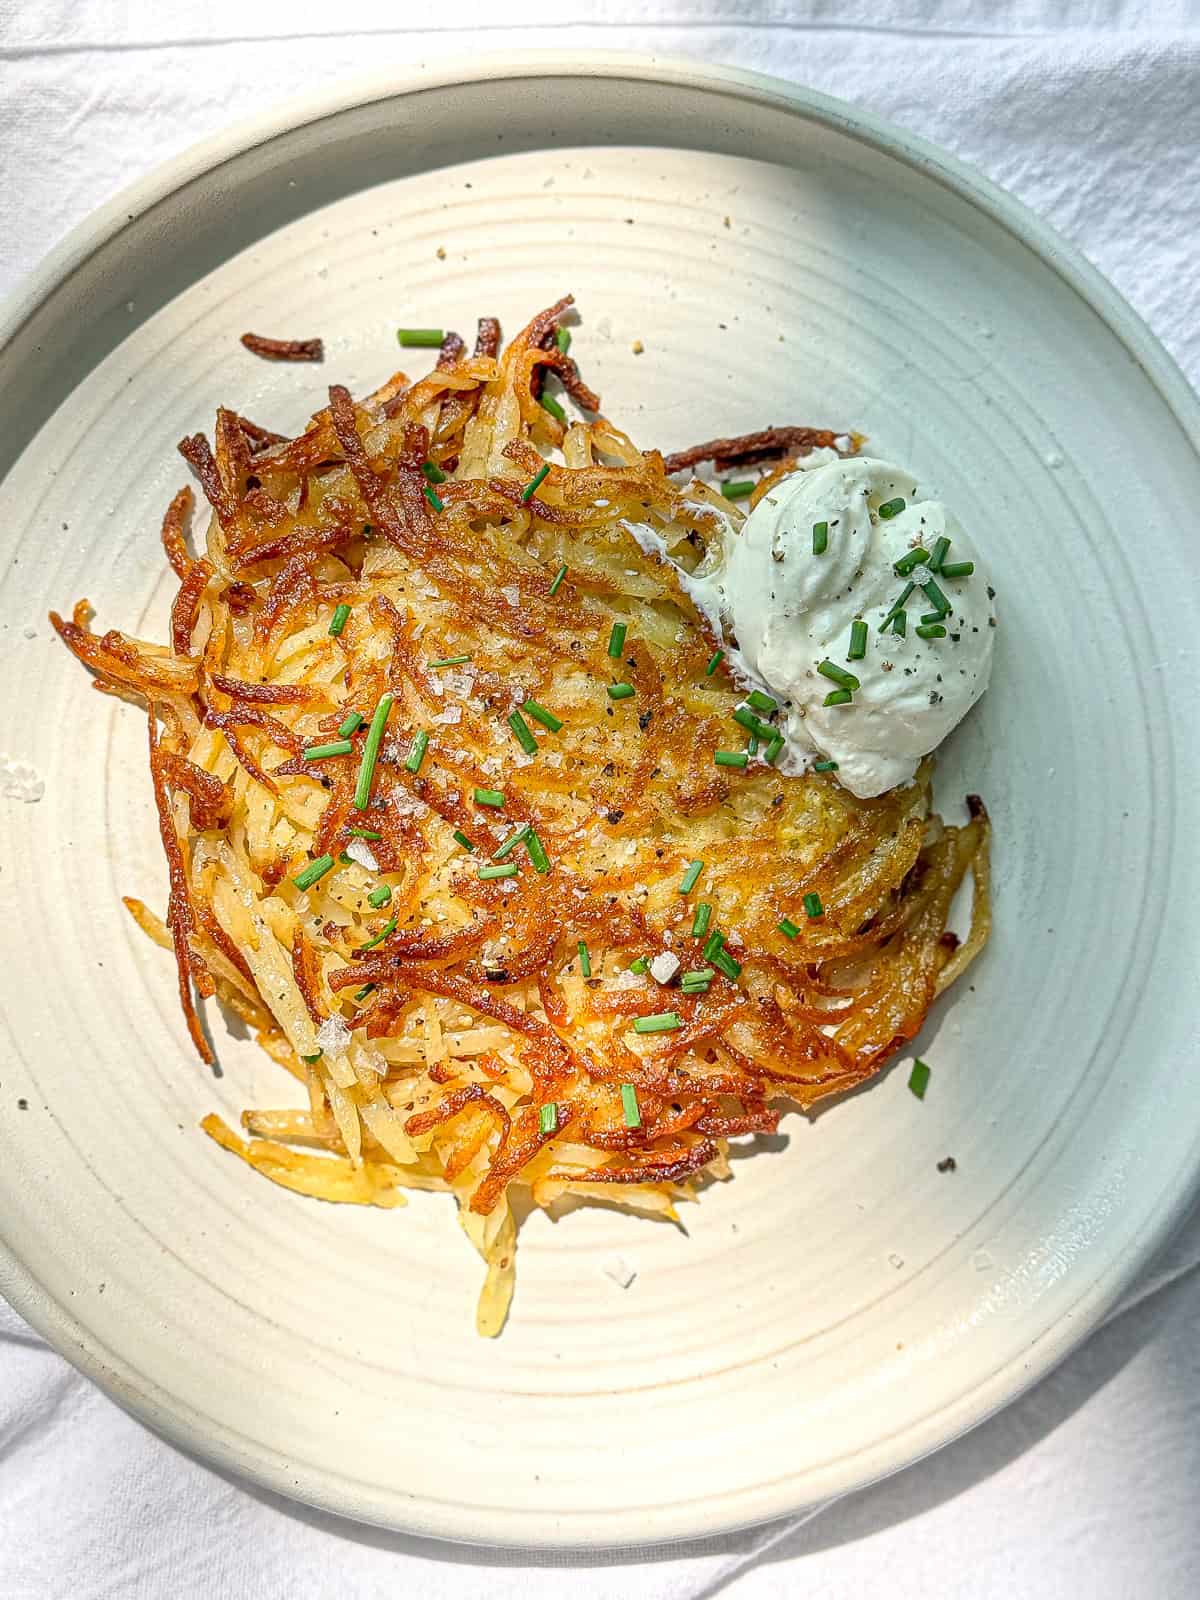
x: 844, y: 680
x: 460, y: 837
x: 351, y: 724
x: 381, y: 896
x: 313, y: 872
x: 548, y: 1118
x: 641, y: 966
x: 691, y: 876
x: 536, y: 852
x: 558, y: 578
x: 714, y: 663
x: 825, y: 766
x: 931, y: 630
x: 788, y: 928
x: 522, y: 733
x: 435, y: 499
x: 629, y: 1099
x: 508, y: 870
x: 932, y: 616
x: 820, y: 538
x: 433, y: 472
x: 838, y: 697
x: 540, y: 714
x: 621, y: 691
x: 958, y: 569
x: 739, y: 490
x: 616, y: 640
x: 489, y: 797
x: 659, y: 1022
x: 385, y: 932
x: 891, y: 508
x: 936, y: 597
x: 762, y: 702
x: 448, y: 661
x: 346, y: 860
x: 321, y: 752
x: 900, y: 624
x: 812, y: 906
x: 745, y: 718
x: 752, y: 745
x: 562, y: 338
x: 363, y: 833
x: 585, y: 960
x: 910, y: 562
x: 771, y: 753
x: 701, y: 920
x: 341, y: 615
x: 550, y: 404
x: 366, y: 773
x: 361, y: 994
x: 938, y: 554
x: 420, y: 338
x: 696, y: 986
x: 858, y: 640
x: 898, y: 607
x: 714, y: 944
x: 368, y: 531
x: 311, y: 1059
x: 730, y: 758
x: 417, y: 754
x: 698, y: 977
x: 532, y: 487
x: 725, y: 963
x: 511, y: 843
x: 918, y: 1078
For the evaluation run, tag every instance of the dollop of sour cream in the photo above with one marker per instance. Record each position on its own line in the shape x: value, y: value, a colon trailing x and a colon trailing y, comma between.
x: 784, y: 607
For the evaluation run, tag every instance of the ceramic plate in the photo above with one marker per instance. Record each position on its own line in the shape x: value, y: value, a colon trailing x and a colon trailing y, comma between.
x: 841, y: 1306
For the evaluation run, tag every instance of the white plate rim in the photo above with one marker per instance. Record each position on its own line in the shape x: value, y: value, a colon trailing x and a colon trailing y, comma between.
x: 230, y: 1451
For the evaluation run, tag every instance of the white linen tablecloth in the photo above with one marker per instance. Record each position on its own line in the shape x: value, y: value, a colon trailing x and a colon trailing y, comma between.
x: 1090, y: 113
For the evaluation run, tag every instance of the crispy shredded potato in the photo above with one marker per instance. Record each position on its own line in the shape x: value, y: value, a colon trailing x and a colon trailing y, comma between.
x: 454, y: 1038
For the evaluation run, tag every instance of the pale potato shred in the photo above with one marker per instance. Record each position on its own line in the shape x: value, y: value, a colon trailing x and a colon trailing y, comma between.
x: 475, y: 1055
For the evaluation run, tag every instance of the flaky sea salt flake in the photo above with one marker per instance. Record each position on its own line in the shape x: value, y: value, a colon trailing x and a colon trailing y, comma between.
x: 333, y: 1036
x: 358, y: 850
x: 664, y: 966
x: 619, y: 1270
x: 20, y: 781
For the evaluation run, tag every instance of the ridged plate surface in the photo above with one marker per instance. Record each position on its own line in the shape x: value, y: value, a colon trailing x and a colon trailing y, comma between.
x: 841, y: 1306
